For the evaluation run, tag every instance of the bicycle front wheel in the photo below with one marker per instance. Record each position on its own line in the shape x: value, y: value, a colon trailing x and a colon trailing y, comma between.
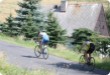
x: 37, y: 51
x: 82, y: 61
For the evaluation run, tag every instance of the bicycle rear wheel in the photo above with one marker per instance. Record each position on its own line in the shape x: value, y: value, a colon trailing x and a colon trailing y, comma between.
x: 91, y: 65
x: 37, y: 51
x: 82, y: 61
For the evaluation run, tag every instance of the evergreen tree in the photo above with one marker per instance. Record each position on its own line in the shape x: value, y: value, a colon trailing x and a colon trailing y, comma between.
x: 108, y: 18
x: 54, y: 30
x: 29, y: 17
x: 1, y: 27
x: 81, y: 35
x: 10, y: 28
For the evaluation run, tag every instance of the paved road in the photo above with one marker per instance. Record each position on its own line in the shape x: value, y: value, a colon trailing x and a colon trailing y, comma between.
x: 25, y: 58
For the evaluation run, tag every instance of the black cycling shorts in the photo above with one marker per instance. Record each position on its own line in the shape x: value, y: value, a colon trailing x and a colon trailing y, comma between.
x: 91, y: 49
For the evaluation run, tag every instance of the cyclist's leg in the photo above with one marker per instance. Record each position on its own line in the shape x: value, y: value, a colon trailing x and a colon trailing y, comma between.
x: 89, y: 54
x: 91, y: 49
x: 89, y: 57
x: 40, y: 44
x: 86, y: 56
x: 44, y: 43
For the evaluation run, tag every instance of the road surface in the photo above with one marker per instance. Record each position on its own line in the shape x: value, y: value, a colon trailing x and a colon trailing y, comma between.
x: 25, y: 58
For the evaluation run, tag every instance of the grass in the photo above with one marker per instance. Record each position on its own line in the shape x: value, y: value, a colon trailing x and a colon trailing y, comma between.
x: 12, y: 70
x: 67, y: 54
x: 7, y: 69
x: 17, y: 41
x: 103, y: 64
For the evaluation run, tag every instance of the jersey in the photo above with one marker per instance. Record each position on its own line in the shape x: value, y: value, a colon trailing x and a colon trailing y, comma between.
x: 86, y: 45
x: 44, y: 36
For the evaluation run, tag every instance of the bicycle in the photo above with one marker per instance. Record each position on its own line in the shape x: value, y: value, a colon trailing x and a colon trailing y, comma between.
x: 38, y: 52
x: 84, y: 64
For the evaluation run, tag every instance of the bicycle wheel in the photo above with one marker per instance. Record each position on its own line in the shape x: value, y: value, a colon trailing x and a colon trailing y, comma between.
x: 45, y: 54
x: 91, y: 65
x: 82, y: 61
x: 37, y: 51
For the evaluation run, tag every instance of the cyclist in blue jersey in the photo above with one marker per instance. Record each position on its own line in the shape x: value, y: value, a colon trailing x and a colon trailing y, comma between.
x: 44, y: 39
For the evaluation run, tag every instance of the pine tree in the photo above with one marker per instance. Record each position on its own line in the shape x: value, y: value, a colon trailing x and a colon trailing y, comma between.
x: 10, y: 28
x: 1, y: 27
x: 29, y: 17
x: 55, y: 32
x: 81, y: 34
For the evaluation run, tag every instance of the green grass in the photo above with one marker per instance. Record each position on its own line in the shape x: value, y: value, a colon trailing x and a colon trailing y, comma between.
x: 7, y: 69
x: 67, y: 54
x: 17, y: 41
x: 103, y: 64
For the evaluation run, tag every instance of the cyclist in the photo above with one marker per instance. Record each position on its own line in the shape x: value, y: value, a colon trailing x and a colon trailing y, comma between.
x: 89, y: 47
x: 43, y: 39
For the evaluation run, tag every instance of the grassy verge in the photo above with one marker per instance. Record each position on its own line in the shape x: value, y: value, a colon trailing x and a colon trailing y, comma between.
x: 103, y: 64
x: 6, y: 69
x: 67, y: 54
x: 12, y: 70
x: 17, y: 41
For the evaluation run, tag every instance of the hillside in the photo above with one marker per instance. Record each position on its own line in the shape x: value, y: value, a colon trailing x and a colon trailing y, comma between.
x: 9, y: 6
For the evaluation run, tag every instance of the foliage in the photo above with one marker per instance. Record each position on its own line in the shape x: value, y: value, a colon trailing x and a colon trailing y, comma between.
x: 10, y: 28
x: 108, y: 18
x: 1, y: 27
x: 29, y: 29
x: 29, y: 17
x: 54, y: 30
x: 80, y: 35
x: 102, y: 45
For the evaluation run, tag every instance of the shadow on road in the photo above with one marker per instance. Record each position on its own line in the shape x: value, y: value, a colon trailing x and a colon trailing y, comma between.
x: 75, y: 66
x: 28, y: 56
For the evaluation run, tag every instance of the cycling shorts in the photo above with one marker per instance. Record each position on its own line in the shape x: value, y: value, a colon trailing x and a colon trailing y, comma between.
x: 45, y: 41
x: 91, y: 49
